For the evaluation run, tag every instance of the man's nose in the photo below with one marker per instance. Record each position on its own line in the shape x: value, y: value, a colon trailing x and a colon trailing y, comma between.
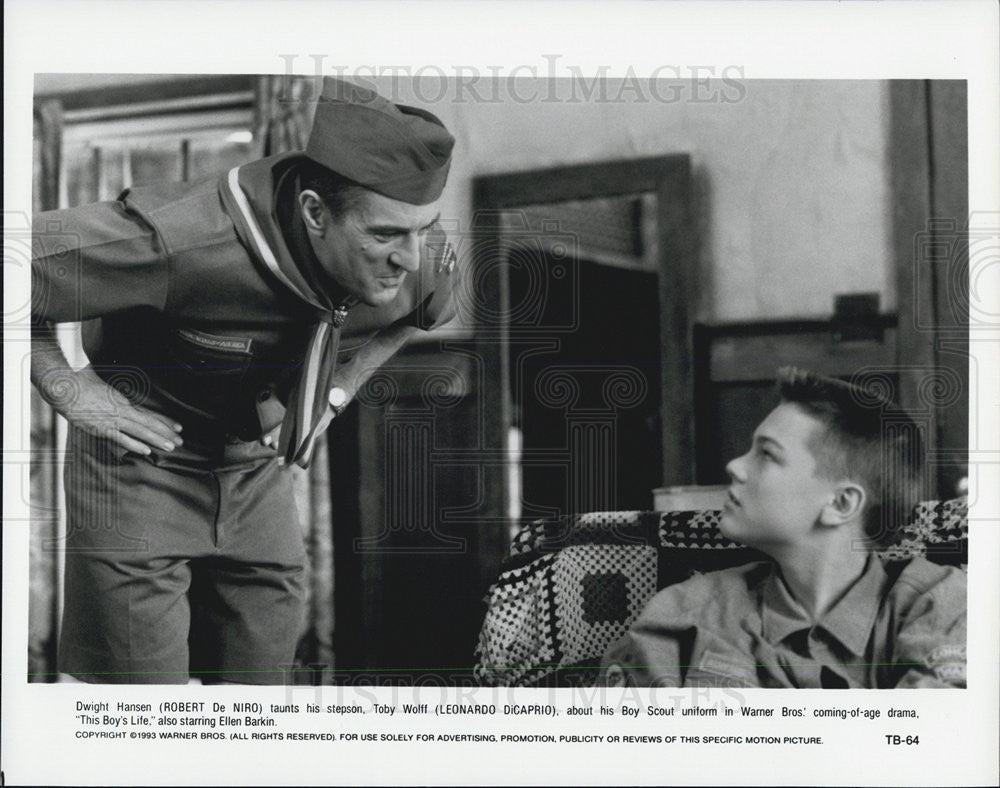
x: 407, y: 254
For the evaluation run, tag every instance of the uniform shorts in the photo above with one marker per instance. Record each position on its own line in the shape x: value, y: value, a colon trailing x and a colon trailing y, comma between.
x: 177, y: 566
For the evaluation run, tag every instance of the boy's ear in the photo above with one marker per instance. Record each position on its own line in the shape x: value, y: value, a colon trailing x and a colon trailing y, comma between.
x: 847, y: 504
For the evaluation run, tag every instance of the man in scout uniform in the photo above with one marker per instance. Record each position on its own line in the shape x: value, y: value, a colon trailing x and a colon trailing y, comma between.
x: 215, y: 311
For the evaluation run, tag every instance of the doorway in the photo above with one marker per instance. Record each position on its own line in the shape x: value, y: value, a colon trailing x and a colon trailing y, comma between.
x: 583, y: 277
x: 587, y: 406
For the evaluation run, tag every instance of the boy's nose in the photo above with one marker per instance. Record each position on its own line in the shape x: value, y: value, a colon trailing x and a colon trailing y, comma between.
x: 735, y: 469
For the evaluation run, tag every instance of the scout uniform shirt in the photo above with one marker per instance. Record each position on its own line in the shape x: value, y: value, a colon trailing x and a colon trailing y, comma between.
x: 181, y: 317
x: 899, y: 625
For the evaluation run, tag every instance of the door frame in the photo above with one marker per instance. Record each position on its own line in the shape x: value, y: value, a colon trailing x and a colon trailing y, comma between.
x: 669, y: 179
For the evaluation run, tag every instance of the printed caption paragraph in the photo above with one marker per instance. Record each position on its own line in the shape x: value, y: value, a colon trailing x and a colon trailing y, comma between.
x: 358, y: 723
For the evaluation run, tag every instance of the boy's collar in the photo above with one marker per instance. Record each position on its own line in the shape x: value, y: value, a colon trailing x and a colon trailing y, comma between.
x: 850, y: 620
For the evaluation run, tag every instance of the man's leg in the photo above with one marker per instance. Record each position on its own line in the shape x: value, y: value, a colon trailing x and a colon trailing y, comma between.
x: 132, y: 528
x: 247, y: 599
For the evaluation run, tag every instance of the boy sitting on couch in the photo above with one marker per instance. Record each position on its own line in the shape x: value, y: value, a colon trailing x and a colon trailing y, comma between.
x: 831, y: 474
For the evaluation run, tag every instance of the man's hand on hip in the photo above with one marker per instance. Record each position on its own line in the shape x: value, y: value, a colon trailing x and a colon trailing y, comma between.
x: 90, y: 404
x: 100, y: 409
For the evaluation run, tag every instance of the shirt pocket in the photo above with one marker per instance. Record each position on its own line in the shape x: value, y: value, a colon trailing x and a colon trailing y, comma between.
x: 204, y: 371
x: 712, y: 668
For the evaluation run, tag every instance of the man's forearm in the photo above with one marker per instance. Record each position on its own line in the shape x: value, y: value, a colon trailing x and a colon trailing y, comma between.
x: 376, y: 352
x: 49, y: 368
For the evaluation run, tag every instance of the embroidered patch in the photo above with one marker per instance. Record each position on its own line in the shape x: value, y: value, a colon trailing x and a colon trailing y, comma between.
x: 713, y: 664
x: 240, y: 344
x: 948, y: 663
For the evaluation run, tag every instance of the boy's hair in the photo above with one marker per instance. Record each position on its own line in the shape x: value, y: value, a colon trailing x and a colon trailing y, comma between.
x: 864, y: 438
x: 339, y: 194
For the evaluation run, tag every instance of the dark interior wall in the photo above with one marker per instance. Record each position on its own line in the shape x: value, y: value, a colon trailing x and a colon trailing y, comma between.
x: 929, y: 169
x: 949, y: 166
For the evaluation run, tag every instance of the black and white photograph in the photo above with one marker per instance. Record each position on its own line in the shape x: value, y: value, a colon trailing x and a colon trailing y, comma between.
x: 582, y: 434
x: 381, y: 398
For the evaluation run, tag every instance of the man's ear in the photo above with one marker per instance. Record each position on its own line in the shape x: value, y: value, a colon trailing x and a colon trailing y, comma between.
x: 314, y: 213
x: 847, y: 504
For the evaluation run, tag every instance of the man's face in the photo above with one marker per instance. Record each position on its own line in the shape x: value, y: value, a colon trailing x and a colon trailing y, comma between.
x: 775, y: 497
x: 371, y: 248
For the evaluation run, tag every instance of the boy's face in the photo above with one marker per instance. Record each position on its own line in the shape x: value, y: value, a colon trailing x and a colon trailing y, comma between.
x: 775, y: 497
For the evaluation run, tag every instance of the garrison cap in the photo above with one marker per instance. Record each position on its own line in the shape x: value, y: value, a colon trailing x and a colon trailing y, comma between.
x: 400, y: 152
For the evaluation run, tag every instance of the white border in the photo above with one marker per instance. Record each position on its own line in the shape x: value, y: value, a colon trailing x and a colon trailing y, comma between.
x: 956, y: 40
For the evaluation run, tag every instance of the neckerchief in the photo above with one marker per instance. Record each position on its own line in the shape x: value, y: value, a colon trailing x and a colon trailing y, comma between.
x: 308, y: 401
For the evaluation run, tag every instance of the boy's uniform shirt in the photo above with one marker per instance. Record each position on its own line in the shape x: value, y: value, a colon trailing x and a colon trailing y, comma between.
x: 899, y: 625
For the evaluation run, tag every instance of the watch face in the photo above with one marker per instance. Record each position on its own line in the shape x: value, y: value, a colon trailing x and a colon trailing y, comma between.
x: 338, y: 397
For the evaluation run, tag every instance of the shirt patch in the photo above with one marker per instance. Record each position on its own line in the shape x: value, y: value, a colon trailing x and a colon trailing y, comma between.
x: 241, y: 344
x: 718, y: 665
x: 948, y: 662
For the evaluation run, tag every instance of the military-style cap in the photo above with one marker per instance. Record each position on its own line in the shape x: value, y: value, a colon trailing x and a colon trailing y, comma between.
x: 398, y: 151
